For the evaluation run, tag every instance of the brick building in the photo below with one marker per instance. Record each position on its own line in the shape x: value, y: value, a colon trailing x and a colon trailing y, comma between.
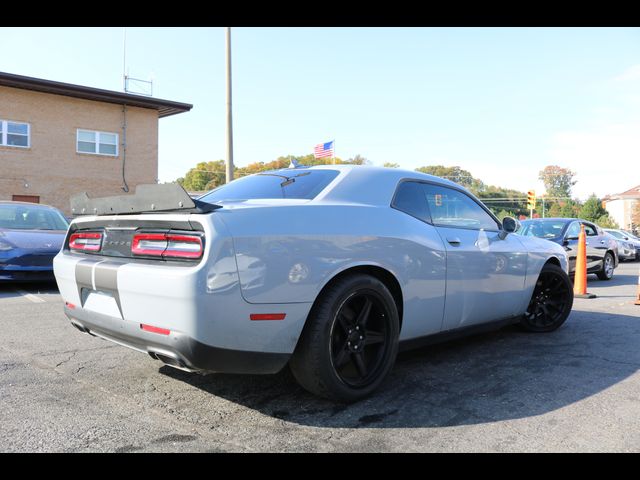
x: 58, y: 139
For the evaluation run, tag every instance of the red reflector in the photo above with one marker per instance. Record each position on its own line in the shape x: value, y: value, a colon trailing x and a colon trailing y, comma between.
x: 267, y: 316
x: 70, y: 305
x: 152, y: 329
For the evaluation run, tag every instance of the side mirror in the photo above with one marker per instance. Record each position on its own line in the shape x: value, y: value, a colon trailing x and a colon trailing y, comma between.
x: 509, y: 225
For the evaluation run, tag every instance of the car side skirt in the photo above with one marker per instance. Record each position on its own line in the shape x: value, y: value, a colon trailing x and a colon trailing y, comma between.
x: 456, y: 333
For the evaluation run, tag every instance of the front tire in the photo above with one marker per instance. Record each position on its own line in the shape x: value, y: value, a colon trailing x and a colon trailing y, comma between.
x: 606, y: 273
x: 350, y: 341
x: 551, y: 301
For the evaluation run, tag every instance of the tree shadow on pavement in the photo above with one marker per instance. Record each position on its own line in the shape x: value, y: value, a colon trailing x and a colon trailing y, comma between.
x: 486, y: 378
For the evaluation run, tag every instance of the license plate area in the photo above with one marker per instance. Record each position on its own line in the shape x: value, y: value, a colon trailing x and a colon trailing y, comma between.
x: 100, y: 302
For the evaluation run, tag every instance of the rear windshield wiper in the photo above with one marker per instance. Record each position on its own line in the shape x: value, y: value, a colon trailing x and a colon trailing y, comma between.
x: 287, y: 180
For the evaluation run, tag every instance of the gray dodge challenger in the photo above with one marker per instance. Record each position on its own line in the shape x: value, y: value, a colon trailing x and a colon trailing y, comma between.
x: 327, y: 269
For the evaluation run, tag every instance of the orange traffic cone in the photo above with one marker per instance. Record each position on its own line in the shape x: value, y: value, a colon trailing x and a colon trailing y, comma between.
x: 580, y: 280
x: 637, y: 302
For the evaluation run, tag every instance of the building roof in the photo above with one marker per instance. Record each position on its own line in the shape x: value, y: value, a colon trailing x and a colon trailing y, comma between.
x: 164, y: 107
x: 632, y: 193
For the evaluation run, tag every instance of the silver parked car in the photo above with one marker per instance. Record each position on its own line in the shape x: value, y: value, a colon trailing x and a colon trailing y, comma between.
x: 329, y: 269
x: 631, y: 243
x: 624, y: 249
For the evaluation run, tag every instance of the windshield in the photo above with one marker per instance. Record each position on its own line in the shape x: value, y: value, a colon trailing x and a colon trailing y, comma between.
x: 27, y: 217
x: 542, y: 228
x: 287, y: 183
x: 616, y: 234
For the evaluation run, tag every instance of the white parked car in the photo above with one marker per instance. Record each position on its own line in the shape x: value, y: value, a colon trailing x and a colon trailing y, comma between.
x: 630, y: 244
x: 330, y: 269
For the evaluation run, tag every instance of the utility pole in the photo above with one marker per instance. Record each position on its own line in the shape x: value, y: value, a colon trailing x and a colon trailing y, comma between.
x: 229, y: 169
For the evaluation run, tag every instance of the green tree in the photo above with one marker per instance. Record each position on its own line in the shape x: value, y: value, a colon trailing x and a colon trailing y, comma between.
x: 605, y: 221
x: 504, y: 213
x: 391, y: 165
x: 455, y: 174
x: 557, y: 180
x: 592, y: 209
x: 204, y: 176
x: 499, y: 199
x: 358, y: 160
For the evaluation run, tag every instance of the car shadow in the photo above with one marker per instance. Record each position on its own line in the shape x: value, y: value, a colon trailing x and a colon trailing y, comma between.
x: 10, y: 289
x: 508, y: 374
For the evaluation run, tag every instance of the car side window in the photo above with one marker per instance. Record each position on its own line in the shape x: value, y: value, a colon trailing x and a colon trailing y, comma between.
x: 452, y: 208
x: 573, y: 231
x: 590, y: 230
x: 410, y: 199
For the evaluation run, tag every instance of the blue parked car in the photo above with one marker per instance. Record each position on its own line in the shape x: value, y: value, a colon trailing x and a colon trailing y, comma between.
x: 30, y: 236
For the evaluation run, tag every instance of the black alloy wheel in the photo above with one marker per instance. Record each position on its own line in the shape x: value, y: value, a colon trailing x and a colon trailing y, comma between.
x: 360, y: 338
x: 551, y: 301
x: 350, y: 341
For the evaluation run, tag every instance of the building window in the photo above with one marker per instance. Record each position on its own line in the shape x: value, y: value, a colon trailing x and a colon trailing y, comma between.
x: 97, y: 143
x: 15, y: 134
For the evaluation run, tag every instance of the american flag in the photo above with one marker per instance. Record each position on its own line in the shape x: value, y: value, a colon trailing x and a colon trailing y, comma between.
x: 323, y: 150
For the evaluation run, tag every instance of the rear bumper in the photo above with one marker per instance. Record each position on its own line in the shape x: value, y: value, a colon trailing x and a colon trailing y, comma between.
x: 176, y: 349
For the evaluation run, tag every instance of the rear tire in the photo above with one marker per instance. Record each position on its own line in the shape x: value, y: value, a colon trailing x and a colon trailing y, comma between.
x: 551, y: 301
x: 606, y: 273
x: 350, y: 341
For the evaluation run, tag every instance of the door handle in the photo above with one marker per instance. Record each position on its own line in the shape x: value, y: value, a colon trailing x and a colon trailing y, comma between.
x: 602, y: 242
x: 453, y: 240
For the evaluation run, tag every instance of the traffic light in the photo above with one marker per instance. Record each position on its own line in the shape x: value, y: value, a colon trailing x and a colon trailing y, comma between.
x: 531, y: 199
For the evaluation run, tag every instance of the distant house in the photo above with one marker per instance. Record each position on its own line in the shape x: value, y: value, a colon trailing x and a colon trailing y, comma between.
x: 621, y: 205
x: 58, y: 139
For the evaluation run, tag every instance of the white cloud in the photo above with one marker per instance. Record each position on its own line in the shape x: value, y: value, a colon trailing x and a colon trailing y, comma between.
x: 630, y: 74
x: 606, y: 159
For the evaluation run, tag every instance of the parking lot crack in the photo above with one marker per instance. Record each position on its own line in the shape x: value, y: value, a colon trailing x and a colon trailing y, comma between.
x: 67, y: 360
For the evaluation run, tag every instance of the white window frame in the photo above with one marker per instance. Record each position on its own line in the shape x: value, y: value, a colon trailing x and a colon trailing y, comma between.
x: 96, y: 136
x: 5, y: 132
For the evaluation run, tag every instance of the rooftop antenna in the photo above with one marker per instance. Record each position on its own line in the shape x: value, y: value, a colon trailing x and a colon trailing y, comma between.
x: 133, y: 85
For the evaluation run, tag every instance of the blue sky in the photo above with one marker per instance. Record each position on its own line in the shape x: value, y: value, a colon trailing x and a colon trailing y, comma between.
x: 499, y: 102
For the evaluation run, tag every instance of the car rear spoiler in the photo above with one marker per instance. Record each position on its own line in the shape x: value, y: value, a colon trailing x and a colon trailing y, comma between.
x: 168, y: 197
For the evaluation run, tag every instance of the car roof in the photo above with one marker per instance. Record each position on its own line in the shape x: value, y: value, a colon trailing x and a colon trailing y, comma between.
x: 369, y: 184
x: 27, y: 204
x: 564, y: 219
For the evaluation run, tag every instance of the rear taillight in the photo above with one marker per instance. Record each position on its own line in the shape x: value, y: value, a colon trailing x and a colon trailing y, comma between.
x: 167, y: 245
x: 85, y: 241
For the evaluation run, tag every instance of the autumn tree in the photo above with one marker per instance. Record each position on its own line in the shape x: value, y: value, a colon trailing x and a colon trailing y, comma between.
x: 204, y: 176
x: 358, y: 160
x: 455, y: 174
x: 557, y: 181
x: 209, y: 175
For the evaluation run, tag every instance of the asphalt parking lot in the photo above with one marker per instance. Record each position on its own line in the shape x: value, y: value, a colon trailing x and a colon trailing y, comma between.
x: 577, y: 389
